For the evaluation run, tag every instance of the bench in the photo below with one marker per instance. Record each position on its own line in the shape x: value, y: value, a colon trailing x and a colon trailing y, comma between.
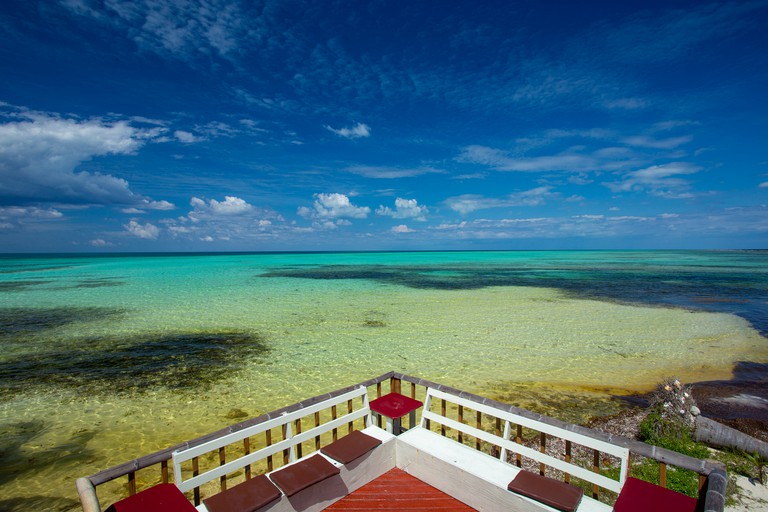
x: 481, y: 480
x: 365, y: 455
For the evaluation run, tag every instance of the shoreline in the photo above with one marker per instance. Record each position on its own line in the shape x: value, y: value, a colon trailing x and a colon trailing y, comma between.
x: 740, y: 402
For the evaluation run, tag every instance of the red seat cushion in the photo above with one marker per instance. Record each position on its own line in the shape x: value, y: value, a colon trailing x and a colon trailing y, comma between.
x: 350, y: 447
x: 296, y: 477
x: 160, y: 498
x: 244, y: 497
x: 641, y: 496
x: 549, y: 491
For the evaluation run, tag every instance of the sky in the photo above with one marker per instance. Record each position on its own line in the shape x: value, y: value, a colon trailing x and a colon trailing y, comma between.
x: 293, y: 125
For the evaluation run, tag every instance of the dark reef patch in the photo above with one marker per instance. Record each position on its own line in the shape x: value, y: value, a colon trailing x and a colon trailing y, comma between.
x: 20, y: 322
x: 134, y: 364
x: 48, y: 503
x: 105, y: 282
x: 21, y: 285
x: 742, y: 292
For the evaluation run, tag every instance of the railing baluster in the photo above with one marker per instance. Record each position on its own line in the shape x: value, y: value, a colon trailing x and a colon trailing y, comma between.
x: 662, y: 474
x: 542, y: 449
x: 317, y: 424
x: 461, y: 420
x: 195, y: 472
x: 495, y: 449
x: 479, y: 424
x: 334, y: 415
x: 164, y: 471
x: 442, y: 411
x: 350, y: 426
x: 568, y: 459
x: 247, y: 450
x: 596, y: 469
x: 222, y: 461
x: 519, y: 440
x: 299, y: 450
x: 268, y: 436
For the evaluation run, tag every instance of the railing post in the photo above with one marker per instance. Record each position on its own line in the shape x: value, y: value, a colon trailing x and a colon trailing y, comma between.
x: 131, y: 483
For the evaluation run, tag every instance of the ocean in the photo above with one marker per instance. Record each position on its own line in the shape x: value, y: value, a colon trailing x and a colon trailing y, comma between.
x: 109, y: 357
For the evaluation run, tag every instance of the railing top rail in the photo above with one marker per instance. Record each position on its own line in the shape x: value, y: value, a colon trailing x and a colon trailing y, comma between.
x: 703, y: 467
x: 577, y: 437
x: 166, y: 454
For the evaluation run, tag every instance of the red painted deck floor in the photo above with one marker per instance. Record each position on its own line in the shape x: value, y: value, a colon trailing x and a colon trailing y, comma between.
x: 397, y: 490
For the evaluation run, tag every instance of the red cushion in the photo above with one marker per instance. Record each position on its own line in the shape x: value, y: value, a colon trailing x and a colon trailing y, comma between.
x: 641, y: 496
x: 160, y: 498
x: 296, y: 477
x: 247, y: 496
x: 350, y: 447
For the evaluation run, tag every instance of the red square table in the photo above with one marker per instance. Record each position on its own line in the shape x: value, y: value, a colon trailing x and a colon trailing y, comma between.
x: 394, y: 406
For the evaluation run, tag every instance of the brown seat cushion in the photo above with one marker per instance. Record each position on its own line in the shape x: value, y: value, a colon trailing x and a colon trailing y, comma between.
x: 350, y: 447
x: 549, y: 491
x: 244, y: 497
x: 160, y: 498
x: 639, y: 496
x: 296, y: 477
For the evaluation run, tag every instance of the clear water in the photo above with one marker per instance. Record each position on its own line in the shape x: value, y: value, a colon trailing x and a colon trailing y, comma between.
x: 108, y: 358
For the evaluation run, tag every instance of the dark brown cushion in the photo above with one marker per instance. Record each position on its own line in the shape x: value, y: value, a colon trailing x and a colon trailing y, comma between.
x: 350, y: 447
x: 296, y: 477
x: 244, y: 497
x: 549, y: 491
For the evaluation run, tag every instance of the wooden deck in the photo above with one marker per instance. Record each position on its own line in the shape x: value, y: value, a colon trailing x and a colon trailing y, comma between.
x: 397, y: 490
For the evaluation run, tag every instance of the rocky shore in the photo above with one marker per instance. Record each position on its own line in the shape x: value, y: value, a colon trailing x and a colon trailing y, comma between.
x: 740, y: 403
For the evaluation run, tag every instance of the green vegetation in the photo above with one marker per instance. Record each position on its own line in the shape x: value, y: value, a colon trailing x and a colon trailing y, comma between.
x: 670, y: 425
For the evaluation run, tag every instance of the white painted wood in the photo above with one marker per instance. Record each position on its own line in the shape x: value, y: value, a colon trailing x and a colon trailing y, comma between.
x: 473, y: 477
x: 289, y: 443
x: 508, y: 445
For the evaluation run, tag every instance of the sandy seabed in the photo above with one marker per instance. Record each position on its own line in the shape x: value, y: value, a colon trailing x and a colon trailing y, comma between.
x: 507, y: 343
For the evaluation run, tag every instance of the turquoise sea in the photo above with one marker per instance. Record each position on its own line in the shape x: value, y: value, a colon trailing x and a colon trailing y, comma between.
x: 106, y: 358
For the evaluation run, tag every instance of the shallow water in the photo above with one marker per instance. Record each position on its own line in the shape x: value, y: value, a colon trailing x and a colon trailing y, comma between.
x: 108, y: 358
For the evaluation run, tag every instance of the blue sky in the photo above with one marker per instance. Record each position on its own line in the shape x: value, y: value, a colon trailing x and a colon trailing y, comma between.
x: 207, y: 125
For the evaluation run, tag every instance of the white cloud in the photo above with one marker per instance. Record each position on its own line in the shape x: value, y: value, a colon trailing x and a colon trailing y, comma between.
x: 501, y: 161
x: 360, y: 130
x: 645, y: 141
x: 230, y: 206
x: 763, y: 184
x: 39, y: 155
x: 404, y: 209
x: 147, y: 231
x: 181, y: 29
x: 186, y: 137
x: 100, y: 242
x: 659, y: 180
x: 402, y: 228
x: 31, y: 212
x: 391, y: 172
x: 468, y: 203
x: 334, y: 206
